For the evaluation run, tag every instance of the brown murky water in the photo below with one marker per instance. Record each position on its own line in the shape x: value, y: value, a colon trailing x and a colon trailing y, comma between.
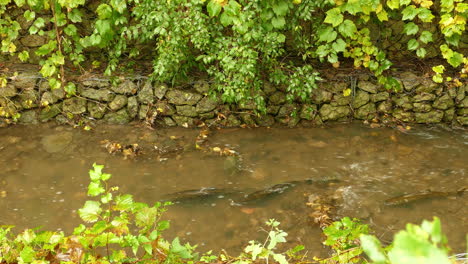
x: 44, y: 174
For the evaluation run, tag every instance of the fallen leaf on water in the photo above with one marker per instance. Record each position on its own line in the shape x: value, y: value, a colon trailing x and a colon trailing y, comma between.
x: 3, y: 194
x: 393, y: 138
x: 217, y: 149
x: 247, y: 210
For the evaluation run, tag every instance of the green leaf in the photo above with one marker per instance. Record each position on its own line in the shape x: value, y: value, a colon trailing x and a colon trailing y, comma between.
x: 413, y: 44
x: 180, y: 250
x: 453, y: 40
x: 425, y: 15
x: 327, y: 34
x: 232, y: 8
x: 29, y: 15
x: 61, y: 19
x: 425, y: 37
x: 226, y: 19
x: 409, y: 12
x: 339, y: 45
x: 438, y: 78
x: 371, y: 245
x: 410, y: 28
x: 46, y: 48
x: 70, y: 30
x: 393, y: 4
x: 353, y: 7
x: 347, y: 28
x: 439, y: 69
x: 75, y: 15
x: 278, y: 22
x: 23, y: 55
x: 280, y: 258
x: 104, y: 11
x: 90, y: 211
x: 456, y: 59
x: 280, y: 7
x: 214, y: 8
x: 95, y: 188
x: 334, y: 17
x: 421, y: 52
x: 27, y: 254
x: 70, y: 88
x: 123, y: 202
x: 95, y: 173
x: 39, y: 22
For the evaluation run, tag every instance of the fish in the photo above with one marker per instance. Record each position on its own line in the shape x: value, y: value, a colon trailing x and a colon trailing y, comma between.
x: 265, y: 194
x: 420, y: 196
x: 197, y: 195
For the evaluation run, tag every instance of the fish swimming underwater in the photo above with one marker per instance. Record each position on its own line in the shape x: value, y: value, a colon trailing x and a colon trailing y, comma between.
x: 420, y: 196
x: 197, y: 195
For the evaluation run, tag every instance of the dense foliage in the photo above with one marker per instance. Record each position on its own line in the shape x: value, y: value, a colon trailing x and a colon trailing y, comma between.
x: 118, y: 229
x: 239, y: 44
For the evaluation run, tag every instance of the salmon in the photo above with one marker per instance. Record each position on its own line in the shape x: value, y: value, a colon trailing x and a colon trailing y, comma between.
x: 420, y: 196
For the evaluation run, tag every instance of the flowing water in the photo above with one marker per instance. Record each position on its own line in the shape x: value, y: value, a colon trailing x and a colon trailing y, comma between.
x: 44, y: 175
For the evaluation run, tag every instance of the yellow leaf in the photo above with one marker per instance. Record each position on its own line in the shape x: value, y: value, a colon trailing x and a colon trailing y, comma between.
x: 347, y: 92
x: 12, y: 48
x: 217, y: 149
x: 426, y: 3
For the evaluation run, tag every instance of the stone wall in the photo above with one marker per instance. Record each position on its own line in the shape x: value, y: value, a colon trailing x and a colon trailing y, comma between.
x: 27, y: 99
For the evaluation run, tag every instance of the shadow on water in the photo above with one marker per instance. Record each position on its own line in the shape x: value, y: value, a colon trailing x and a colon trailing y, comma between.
x: 222, y: 202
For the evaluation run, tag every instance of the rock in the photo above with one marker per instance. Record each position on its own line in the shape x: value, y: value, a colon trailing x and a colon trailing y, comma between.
x: 404, y: 102
x: 409, y: 80
x: 183, y: 121
x: 33, y: 40
x: 443, y: 102
x: 120, y: 117
x: 336, y: 87
x: 452, y: 92
x: 277, y: 98
x: 426, y: 86
x: 265, y: 120
x: 186, y: 110
x: 463, y: 120
x: 268, y: 88
x: 52, y: 97
x: 49, y: 112
x: 361, y: 98
x: 320, y: 96
x: 380, y: 97
x: 463, y: 103
x: 169, y: 122
x: 208, y: 115
x: 144, y: 111
x: 367, y: 86
x: 96, y: 110
x: 118, y: 103
x: 290, y: 121
x: 97, y: 83
x: 146, y: 94
x: 424, y: 97
x: 160, y: 90
x: 461, y: 93
x: 232, y: 121
x: 26, y: 80
x: 287, y: 110
x: 248, y: 119
x: 132, y: 107
x: 422, y: 107
x: 402, y: 115
x: 430, y: 117
x: 126, y: 87
x: 206, y: 104
x: 164, y: 108
x: 74, y: 105
x: 104, y: 95
x: 273, y: 109
x: 57, y: 142
x: 308, y: 111
x: 202, y: 87
x: 449, y: 115
x: 340, y: 99
x: 8, y: 91
x: 28, y: 117
x: 367, y: 111
x: 29, y: 99
x: 179, y: 97
x: 462, y: 112
x: 329, y: 112
x: 247, y: 105
x: 385, y: 107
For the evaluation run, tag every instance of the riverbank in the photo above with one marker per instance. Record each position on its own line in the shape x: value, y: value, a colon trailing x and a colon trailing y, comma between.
x: 27, y: 99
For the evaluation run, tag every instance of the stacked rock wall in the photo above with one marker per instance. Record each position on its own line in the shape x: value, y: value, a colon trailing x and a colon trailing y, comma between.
x: 28, y: 99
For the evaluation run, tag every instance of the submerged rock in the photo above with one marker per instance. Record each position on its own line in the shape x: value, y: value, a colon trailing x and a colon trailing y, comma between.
x: 57, y: 142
